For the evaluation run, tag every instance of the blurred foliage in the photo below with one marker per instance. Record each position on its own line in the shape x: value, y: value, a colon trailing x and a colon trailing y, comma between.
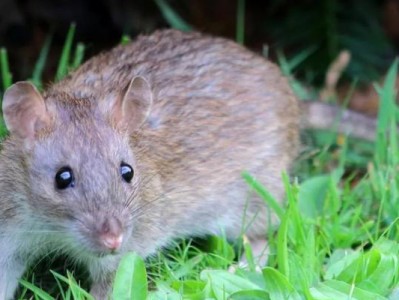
x: 325, y: 27
x: 321, y: 28
x: 331, y: 26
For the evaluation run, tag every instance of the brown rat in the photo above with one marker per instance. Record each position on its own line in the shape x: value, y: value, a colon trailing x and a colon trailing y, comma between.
x: 143, y: 144
x: 140, y: 145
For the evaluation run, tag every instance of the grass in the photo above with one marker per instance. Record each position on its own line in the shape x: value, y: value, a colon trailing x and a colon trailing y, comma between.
x: 338, y: 233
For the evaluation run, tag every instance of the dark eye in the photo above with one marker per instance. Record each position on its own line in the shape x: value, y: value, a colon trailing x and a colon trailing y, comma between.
x: 64, y: 178
x: 126, y: 172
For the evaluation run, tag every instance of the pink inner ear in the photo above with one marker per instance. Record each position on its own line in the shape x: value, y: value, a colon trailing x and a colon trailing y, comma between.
x: 130, y: 107
x: 136, y: 103
x: 113, y: 108
x: 24, y: 110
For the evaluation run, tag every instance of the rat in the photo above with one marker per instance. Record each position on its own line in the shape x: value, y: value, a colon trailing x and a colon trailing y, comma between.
x: 140, y: 145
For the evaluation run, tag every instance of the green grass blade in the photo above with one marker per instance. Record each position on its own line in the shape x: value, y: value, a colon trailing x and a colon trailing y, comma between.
x: 172, y: 17
x: 249, y: 255
x: 74, y: 287
x: 38, y: 292
x: 79, y: 55
x: 282, y: 244
x: 266, y: 196
x: 386, y: 112
x: 40, y: 63
x: 224, y: 283
x: 240, y: 28
x: 278, y: 286
x: 5, y: 69
x: 63, y: 65
x: 125, y: 39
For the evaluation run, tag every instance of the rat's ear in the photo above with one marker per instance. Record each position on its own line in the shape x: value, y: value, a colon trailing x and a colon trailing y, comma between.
x: 133, y: 105
x: 24, y: 110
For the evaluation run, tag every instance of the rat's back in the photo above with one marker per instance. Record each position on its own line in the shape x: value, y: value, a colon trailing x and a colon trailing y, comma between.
x: 218, y: 110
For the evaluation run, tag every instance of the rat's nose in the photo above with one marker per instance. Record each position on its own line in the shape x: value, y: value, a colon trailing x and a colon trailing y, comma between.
x: 111, y: 234
x: 112, y: 242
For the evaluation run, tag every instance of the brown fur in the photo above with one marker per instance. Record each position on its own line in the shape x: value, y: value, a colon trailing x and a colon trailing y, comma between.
x: 217, y: 110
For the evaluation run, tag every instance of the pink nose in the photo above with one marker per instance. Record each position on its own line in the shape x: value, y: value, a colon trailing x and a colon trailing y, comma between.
x: 111, y: 233
x: 112, y: 242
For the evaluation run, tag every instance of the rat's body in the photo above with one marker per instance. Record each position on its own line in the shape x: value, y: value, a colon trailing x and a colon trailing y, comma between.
x: 199, y: 112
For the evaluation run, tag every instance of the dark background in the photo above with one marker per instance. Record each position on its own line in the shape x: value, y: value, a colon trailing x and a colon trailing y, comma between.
x: 369, y: 29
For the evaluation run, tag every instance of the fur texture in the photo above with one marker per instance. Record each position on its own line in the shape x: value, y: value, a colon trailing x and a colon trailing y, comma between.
x: 217, y: 109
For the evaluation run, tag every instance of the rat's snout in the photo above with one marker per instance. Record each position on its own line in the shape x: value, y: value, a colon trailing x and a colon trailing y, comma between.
x: 110, y: 233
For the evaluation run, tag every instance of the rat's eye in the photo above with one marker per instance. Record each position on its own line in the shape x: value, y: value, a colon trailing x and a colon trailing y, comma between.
x: 126, y: 172
x: 64, y: 178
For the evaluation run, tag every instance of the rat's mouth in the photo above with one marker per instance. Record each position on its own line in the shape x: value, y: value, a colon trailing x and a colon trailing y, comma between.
x: 103, y: 251
x: 104, y: 254
x: 92, y: 248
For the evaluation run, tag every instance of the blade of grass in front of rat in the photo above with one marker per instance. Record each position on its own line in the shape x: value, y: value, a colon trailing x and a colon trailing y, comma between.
x: 282, y: 244
x: 79, y: 55
x: 266, y: 196
x: 59, y: 285
x: 24, y: 291
x: 249, y: 255
x: 40, y: 63
x: 296, y: 217
x: 76, y: 291
x: 63, y: 66
x: 5, y: 69
x: 172, y: 17
x: 240, y: 26
x: 298, y: 243
x: 38, y: 292
x: 74, y: 287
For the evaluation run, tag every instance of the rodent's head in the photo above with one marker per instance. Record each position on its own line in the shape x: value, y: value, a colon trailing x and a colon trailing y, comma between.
x: 83, y: 180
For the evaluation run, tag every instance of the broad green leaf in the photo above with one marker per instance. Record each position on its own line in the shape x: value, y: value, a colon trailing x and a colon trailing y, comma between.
x: 194, y: 290
x: 224, y: 283
x: 250, y: 294
x: 130, y: 279
x: 373, y: 270
x: 386, y: 113
x: 254, y: 277
x: 312, y: 194
x: 338, y: 290
x: 339, y: 261
x: 278, y: 286
x: 164, y: 292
